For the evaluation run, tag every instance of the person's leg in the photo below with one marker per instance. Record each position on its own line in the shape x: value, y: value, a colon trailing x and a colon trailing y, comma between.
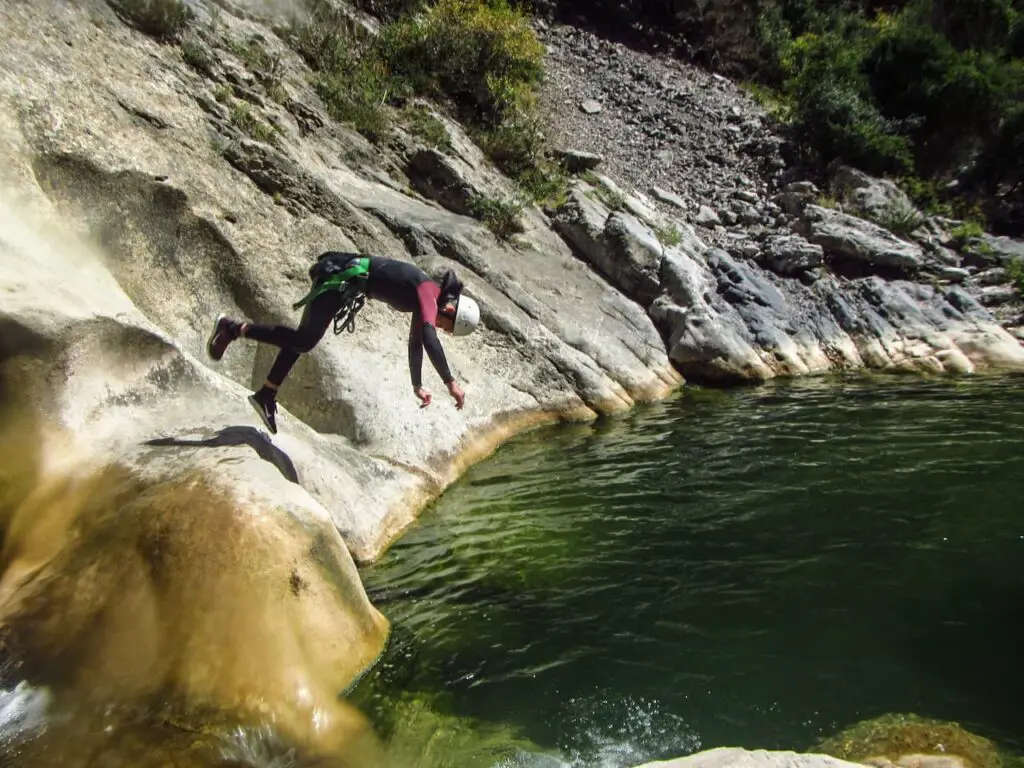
x: 316, y: 318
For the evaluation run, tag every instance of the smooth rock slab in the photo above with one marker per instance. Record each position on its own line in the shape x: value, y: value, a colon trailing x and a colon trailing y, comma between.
x: 734, y: 757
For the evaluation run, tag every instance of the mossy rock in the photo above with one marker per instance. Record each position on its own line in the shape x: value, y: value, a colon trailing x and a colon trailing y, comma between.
x: 898, y: 735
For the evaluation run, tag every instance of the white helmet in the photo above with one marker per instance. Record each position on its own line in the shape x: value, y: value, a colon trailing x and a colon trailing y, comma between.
x: 467, y: 316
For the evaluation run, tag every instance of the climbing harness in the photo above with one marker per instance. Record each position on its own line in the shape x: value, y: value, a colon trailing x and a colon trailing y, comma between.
x: 345, y: 319
x: 349, y: 277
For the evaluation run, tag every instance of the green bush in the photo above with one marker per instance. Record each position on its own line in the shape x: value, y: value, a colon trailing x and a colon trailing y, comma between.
x: 901, y: 219
x: 966, y: 231
x: 481, y: 55
x: 223, y: 93
x: 1016, y: 272
x: 478, y: 57
x: 502, y: 217
x: 196, y: 56
x: 356, y: 94
x: 923, y: 89
x: 266, y: 66
x: 422, y: 124
x: 832, y: 109
x: 669, y: 235
x: 388, y: 9
x: 242, y: 117
x: 546, y: 184
x: 947, y: 101
x: 351, y: 78
x: 163, y: 19
x: 611, y: 199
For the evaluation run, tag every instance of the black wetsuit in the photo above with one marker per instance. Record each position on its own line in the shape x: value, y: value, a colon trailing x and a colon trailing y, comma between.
x: 399, y: 284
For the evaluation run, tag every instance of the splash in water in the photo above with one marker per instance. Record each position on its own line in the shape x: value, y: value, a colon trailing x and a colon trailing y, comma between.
x: 22, y: 714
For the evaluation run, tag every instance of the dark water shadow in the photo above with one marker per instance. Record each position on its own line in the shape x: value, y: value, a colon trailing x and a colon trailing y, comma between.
x: 232, y: 436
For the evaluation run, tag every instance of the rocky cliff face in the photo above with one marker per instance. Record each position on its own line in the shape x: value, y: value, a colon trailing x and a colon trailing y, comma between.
x: 146, y: 188
x: 748, y: 273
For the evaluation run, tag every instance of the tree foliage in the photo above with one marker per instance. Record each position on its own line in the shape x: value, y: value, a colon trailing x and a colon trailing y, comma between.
x: 931, y: 88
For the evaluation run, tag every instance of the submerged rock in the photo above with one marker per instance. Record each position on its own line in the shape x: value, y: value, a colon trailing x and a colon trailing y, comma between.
x: 911, y: 741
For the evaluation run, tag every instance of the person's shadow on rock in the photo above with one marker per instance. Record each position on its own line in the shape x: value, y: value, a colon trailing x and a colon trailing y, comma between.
x: 230, y: 436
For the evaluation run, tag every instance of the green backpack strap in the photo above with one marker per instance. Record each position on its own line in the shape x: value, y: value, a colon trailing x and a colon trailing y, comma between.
x: 336, y: 282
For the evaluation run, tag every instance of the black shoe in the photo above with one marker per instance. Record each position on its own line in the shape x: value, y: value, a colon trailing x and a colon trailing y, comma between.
x: 225, y: 330
x: 266, y: 407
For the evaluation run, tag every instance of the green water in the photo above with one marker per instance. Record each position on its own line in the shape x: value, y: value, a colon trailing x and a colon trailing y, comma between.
x: 758, y: 568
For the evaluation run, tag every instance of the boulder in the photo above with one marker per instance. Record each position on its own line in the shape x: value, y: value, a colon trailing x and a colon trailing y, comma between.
x: 994, y: 276
x: 792, y: 254
x: 435, y: 177
x: 859, y: 240
x: 998, y: 251
x: 671, y: 198
x: 576, y: 160
x: 616, y: 243
x: 795, y: 196
x: 953, y: 274
x: 749, y: 215
x: 878, y: 200
x: 997, y: 295
x: 706, y: 217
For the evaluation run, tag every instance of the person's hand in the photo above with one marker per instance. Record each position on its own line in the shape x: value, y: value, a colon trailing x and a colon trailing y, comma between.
x: 456, y: 392
x: 424, y: 395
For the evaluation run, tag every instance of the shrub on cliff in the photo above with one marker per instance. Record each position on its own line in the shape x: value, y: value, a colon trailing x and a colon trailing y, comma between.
x: 351, y: 77
x: 1016, y: 273
x: 163, y: 19
x: 481, y: 55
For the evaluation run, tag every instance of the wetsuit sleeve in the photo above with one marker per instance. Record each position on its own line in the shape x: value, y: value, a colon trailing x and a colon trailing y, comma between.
x: 422, y: 336
x: 435, y: 352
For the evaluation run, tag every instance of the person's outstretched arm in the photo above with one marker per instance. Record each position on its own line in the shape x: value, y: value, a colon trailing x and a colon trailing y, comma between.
x: 423, y: 335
